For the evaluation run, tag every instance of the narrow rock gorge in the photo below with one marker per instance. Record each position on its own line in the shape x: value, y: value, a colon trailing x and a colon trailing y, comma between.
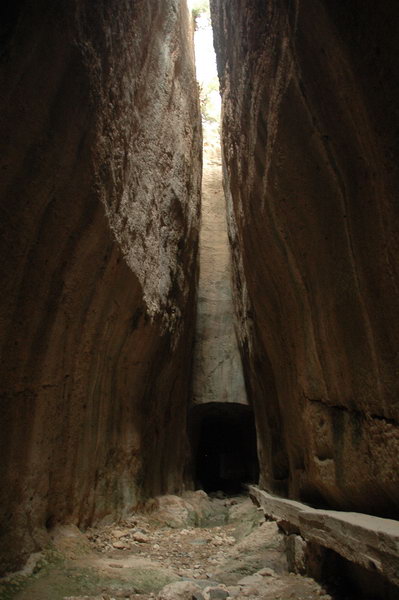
x: 310, y: 131
x: 153, y: 351
x: 222, y: 431
x: 218, y: 375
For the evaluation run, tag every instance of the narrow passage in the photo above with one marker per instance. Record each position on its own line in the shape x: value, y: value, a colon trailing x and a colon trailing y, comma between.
x: 222, y: 429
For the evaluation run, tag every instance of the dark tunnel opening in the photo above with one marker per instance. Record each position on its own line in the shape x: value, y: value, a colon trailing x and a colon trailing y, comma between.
x: 224, y: 447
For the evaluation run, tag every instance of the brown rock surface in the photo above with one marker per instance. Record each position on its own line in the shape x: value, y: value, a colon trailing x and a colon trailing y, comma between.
x: 310, y: 96
x: 100, y: 174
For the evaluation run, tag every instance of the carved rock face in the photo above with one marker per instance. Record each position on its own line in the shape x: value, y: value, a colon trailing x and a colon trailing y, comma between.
x: 217, y: 368
x: 100, y: 161
x: 311, y: 155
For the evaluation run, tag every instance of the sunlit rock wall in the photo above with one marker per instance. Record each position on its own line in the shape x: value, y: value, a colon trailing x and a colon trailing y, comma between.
x: 310, y: 141
x: 217, y: 374
x: 100, y: 158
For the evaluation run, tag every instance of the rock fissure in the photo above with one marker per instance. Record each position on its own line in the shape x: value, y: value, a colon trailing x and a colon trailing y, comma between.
x: 362, y: 415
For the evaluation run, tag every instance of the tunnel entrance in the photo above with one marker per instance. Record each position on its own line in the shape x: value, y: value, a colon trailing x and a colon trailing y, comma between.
x: 224, y: 447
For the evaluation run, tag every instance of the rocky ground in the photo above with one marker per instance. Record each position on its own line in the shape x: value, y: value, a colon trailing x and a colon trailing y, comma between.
x: 194, y: 548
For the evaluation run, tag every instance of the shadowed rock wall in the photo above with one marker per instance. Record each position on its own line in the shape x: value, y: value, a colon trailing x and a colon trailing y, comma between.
x: 100, y: 156
x: 310, y: 136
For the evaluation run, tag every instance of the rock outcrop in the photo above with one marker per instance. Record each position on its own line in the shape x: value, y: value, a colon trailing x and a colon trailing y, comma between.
x: 100, y: 140
x: 310, y: 96
x: 369, y: 541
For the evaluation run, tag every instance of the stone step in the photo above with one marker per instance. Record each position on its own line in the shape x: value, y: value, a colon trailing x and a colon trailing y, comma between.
x: 369, y: 541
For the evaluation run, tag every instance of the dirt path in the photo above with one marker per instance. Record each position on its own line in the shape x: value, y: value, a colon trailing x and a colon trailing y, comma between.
x: 190, y: 548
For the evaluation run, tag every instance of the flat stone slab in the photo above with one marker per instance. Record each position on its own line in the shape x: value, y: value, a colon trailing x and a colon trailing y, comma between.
x: 369, y: 541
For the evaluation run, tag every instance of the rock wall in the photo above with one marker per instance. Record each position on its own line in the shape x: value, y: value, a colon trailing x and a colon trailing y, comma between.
x: 310, y: 136
x: 100, y: 157
x: 217, y: 374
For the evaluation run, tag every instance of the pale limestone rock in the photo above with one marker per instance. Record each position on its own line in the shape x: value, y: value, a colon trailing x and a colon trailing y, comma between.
x: 120, y: 545
x: 181, y: 590
x: 219, y: 592
x: 369, y: 541
x: 251, y: 580
x: 218, y: 375
x: 138, y: 536
x: 117, y: 533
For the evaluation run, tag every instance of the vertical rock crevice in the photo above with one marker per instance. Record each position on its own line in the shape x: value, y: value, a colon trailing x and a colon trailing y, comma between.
x: 217, y: 375
x: 221, y: 428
